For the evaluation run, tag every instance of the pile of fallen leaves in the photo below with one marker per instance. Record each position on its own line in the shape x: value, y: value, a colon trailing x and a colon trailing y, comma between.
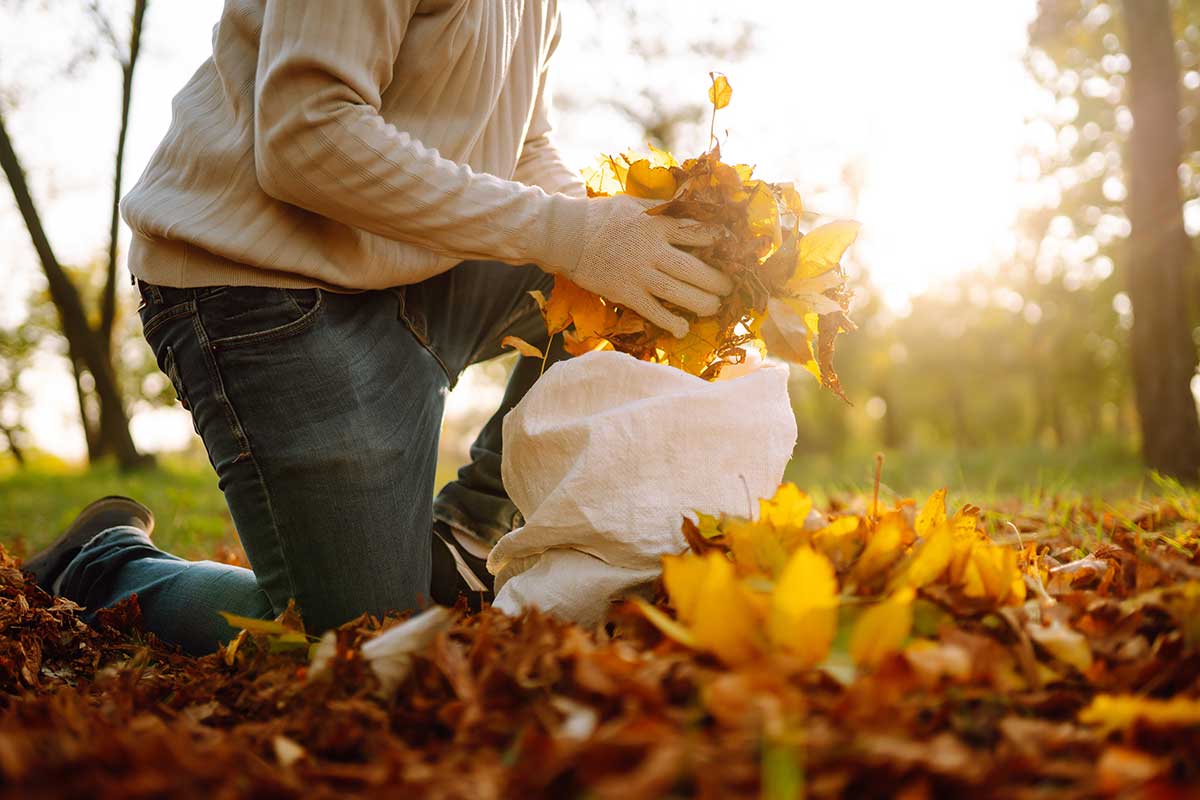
x: 857, y: 652
x: 788, y: 281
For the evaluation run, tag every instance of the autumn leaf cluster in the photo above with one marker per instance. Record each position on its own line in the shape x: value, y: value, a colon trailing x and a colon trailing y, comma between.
x: 782, y: 584
x: 783, y: 278
x: 854, y: 650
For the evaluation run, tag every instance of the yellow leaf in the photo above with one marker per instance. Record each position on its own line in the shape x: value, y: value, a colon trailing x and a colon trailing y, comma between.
x: 709, y: 525
x: 970, y: 581
x: 695, y: 351
x: 725, y: 618
x: 661, y: 158
x: 229, y: 652
x: 254, y: 625
x: 960, y: 561
x: 577, y: 346
x: 1114, y: 712
x: 570, y: 304
x: 791, y: 199
x: 762, y: 213
x: 997, y: 567
x: 646, y: 181
x: 929, y: 560
x: 522, y: 346
x: 618, y: 169
x: 557, y: 309
x: 839, y: 541
x: 606, y: 178
x: 963, y: 524
x: 1016, y: 592
x: 882, y: 550
x: 592, y: 318
x: 756, y: 548
x: 821, y: 250
x: 788, y: 508
x: 966, y: 522
x: 720, y: 92
x: 933, y: 514
x: 786, y: 335
x: 842, y: 526
x: 882, y: 629
x: 744, y: 171
x: 682, y: 576
x: 664, y: 623
x: 803, y: 615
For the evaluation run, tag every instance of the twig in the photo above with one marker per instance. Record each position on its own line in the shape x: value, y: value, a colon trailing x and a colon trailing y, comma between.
x: 546, y: 354
x: 874, y: 516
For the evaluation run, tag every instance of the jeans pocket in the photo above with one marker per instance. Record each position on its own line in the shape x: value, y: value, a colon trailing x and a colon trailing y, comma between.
x: 236, y: 316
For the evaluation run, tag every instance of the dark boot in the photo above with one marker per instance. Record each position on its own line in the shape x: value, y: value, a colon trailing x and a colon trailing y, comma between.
x: 97, y: 517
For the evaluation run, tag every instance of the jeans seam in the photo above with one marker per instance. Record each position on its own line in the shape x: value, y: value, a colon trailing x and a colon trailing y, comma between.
x: 402, y: 298
x: 243, y: 442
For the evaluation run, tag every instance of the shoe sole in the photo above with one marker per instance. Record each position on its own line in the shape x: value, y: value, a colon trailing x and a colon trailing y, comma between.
x: 79, y: 532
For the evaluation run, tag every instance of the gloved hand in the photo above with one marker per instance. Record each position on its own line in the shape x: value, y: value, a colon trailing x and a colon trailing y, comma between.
x: 628, y: 257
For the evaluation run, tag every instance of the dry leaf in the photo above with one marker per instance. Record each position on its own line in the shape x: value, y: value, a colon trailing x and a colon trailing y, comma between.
x: 521, y: 346
x: 720, y: 93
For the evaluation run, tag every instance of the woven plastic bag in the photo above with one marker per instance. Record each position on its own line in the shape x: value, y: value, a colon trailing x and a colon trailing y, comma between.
x: 606, y: 454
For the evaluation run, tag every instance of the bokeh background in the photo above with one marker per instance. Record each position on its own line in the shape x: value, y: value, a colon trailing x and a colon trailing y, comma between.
x: 1013, y: 222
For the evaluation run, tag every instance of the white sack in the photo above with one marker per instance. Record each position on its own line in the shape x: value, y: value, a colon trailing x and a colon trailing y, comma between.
x: 605, y: 455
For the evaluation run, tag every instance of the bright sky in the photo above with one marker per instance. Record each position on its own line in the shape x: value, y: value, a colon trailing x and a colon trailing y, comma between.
x: 927, y: 98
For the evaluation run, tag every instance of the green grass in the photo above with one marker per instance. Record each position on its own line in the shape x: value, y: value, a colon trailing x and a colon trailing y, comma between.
x: 983, y: 476
x: 191, y: 519
x: 40, y: 501
x: 193, y: 522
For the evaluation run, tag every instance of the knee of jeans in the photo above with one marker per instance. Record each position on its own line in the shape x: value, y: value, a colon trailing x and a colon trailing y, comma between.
x: 115, y: 537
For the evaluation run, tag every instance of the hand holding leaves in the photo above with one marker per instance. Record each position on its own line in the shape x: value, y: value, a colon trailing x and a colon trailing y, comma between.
x: 777, y: 287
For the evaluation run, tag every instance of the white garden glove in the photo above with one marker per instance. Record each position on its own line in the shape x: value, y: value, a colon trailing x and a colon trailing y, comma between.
x: 617, y: 250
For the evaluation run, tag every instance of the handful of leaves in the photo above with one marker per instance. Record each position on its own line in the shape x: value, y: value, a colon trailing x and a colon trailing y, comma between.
x: 784, y: 279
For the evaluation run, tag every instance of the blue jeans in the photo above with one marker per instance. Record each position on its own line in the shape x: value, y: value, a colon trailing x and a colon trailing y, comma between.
x: 321, y: 414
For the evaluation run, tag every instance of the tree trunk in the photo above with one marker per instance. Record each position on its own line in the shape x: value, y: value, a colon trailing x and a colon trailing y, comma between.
x: 81, y: 339
x: 90, y: 433
x: 10, y: 435
x: 108, y: 302
x: 1164, y: 355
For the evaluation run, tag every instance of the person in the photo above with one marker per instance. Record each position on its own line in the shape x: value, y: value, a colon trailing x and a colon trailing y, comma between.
x: 351, y: 205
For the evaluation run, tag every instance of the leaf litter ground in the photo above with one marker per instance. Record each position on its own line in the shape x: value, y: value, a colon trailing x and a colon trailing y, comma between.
x: 851, y: 652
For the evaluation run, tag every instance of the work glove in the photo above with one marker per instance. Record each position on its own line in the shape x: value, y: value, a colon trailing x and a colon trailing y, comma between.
x: 631, y: 258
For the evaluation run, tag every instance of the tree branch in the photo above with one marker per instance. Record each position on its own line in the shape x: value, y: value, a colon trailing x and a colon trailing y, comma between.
x: 108, y: 303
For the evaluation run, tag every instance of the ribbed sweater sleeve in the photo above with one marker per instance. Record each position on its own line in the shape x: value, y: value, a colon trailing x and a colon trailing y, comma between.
x: 320, y: 143
x: 541, y: 164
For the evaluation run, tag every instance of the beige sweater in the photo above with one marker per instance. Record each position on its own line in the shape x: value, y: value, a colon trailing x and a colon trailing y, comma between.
x: 358, y: 144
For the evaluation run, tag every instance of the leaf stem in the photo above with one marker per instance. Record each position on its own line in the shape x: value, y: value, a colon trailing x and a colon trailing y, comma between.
x: 878, y: 477
x: 546, y: 353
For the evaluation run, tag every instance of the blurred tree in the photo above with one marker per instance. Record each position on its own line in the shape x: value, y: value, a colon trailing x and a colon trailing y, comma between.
x: 665, y: 116
x: 17, y: 347
x: 1113, y: 169
x: 1164, y: 355
x: 106, y: 428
